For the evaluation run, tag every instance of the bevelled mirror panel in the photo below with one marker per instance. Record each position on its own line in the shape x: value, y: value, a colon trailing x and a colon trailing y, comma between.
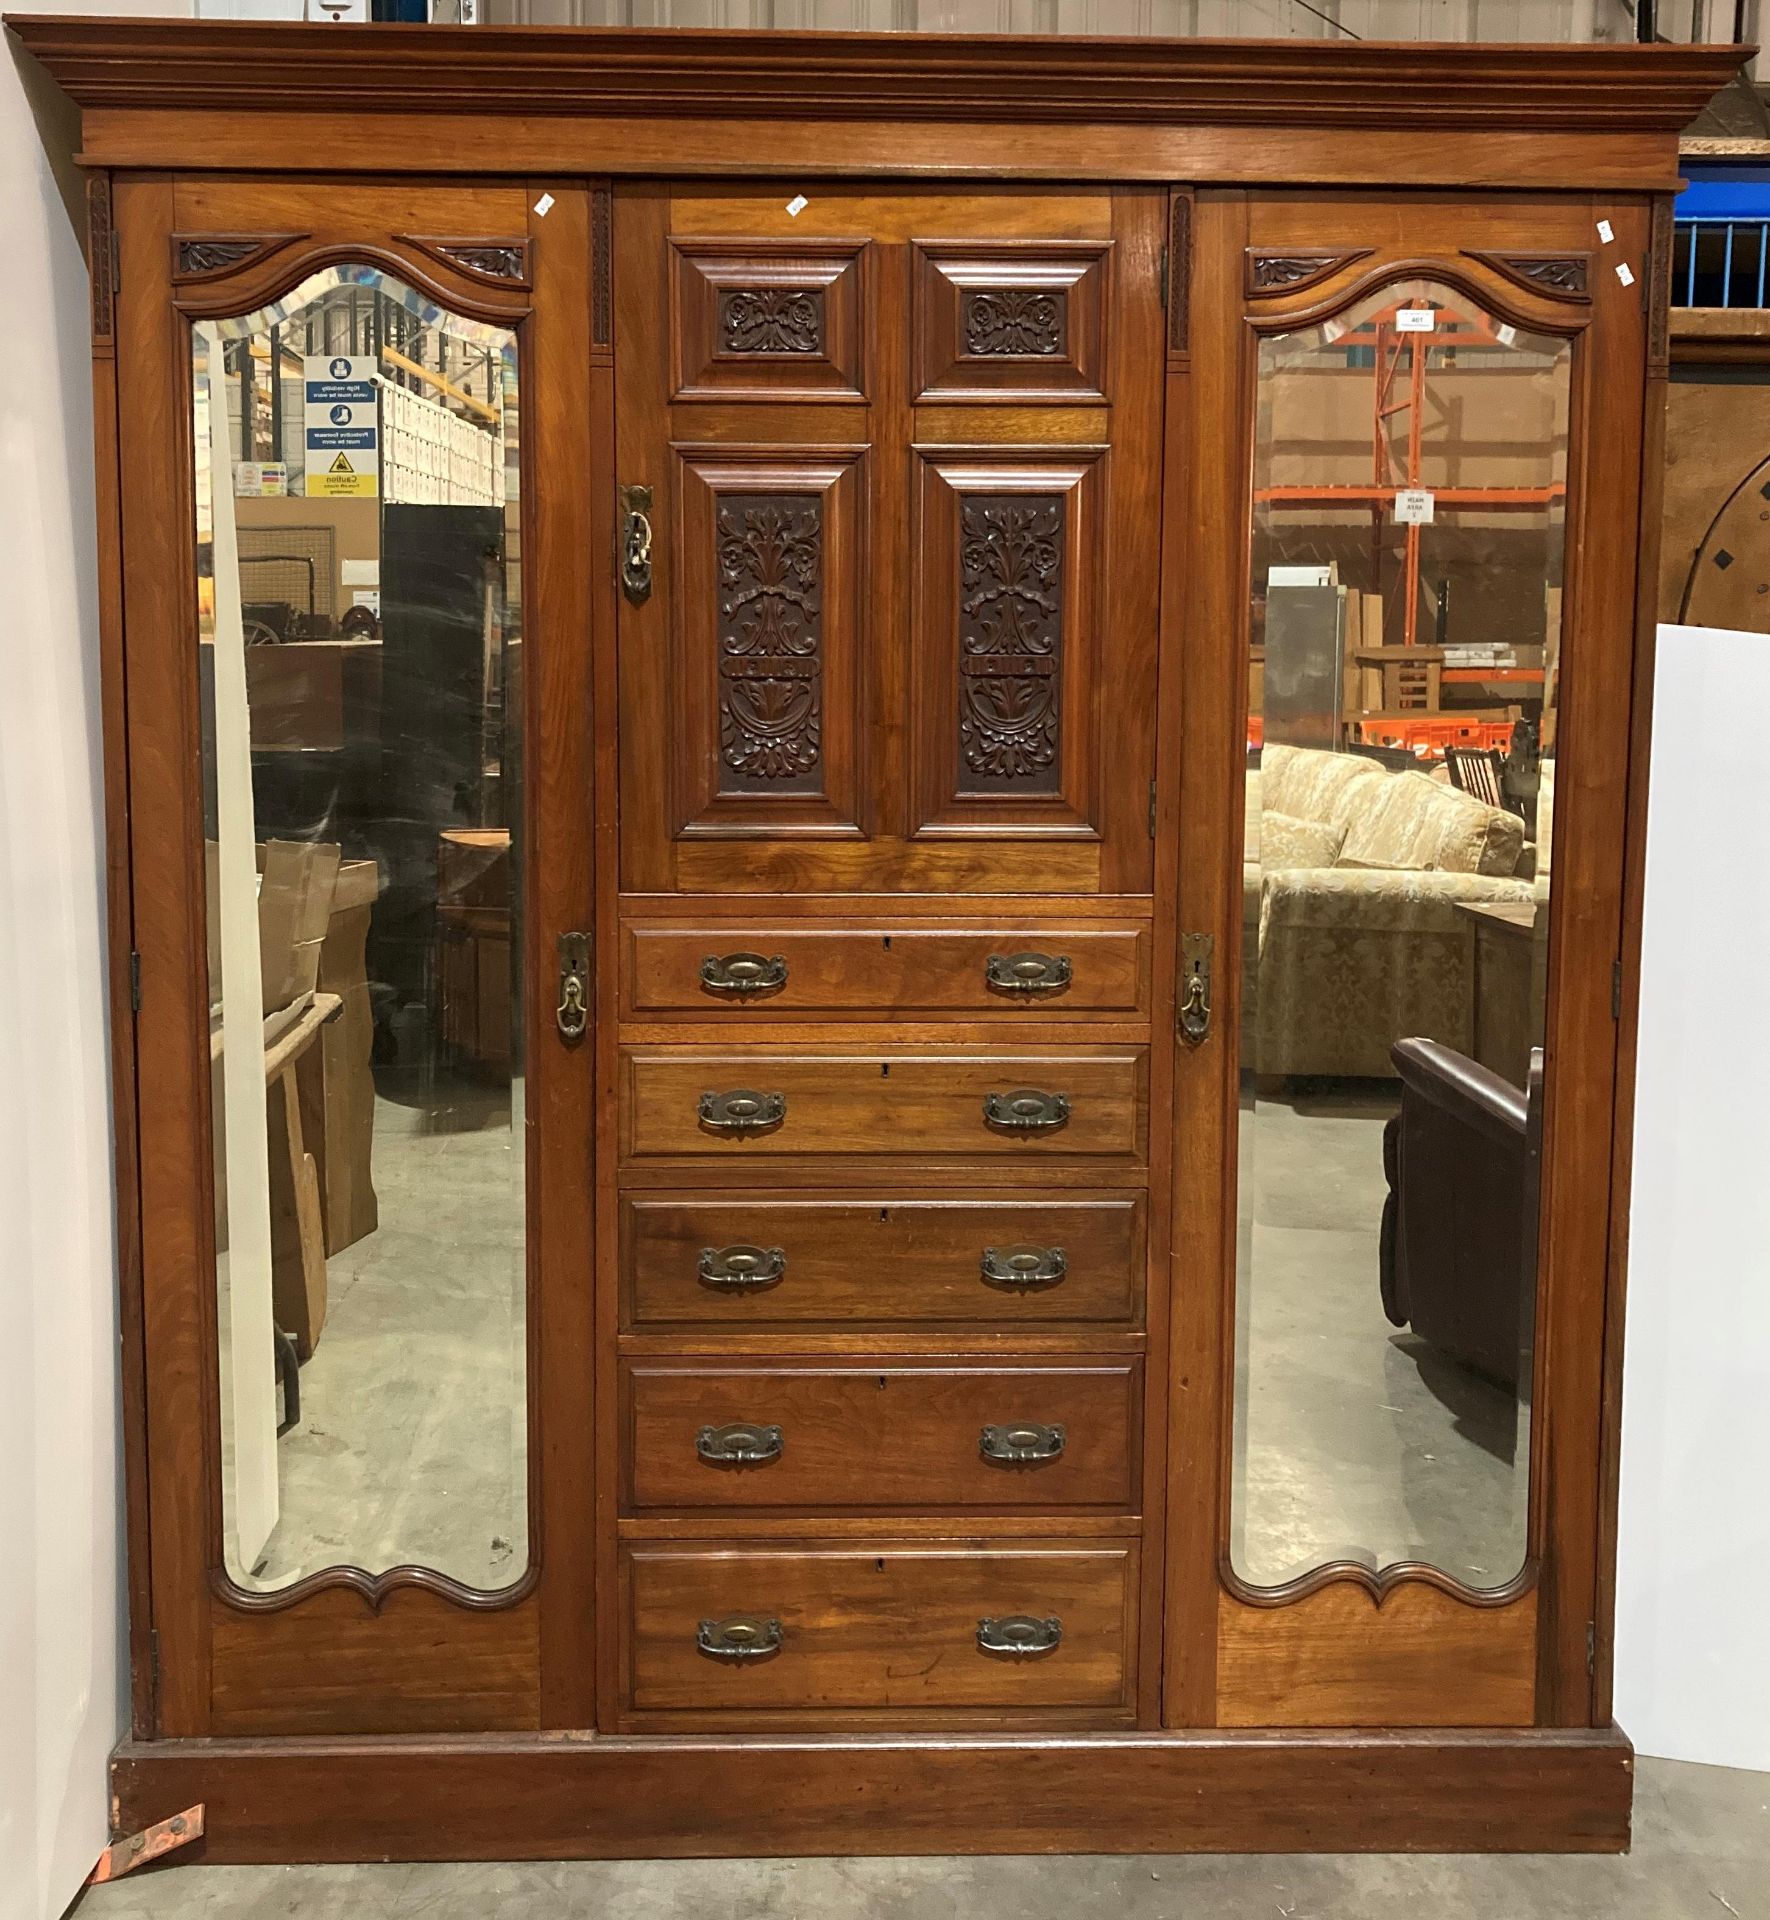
x: 1409, y: 497
x: 360, y: 649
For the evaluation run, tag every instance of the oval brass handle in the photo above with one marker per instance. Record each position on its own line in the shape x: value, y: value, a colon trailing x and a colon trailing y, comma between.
x: 740, y: 1444
x: 740, y: 1636
x: 1024, y: 1266
x: 1026, y: 1110
x: 1019, y: 1633
x: 742, y: 1266
x: 743, y: 1110
x: 1028, y: 972
x: 742, y: 973
x: 1026, y: 1442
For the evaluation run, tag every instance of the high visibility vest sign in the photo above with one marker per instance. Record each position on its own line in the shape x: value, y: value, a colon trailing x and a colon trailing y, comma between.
x: 343, y: 426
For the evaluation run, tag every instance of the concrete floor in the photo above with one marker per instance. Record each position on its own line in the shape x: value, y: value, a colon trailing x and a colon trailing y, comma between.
x: 1354, y: 1440
x: 1702, y: 1852
x: 412, y: 1446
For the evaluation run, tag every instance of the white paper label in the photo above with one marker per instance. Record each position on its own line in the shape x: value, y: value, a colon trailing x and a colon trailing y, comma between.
x: 544, y: 205
x: 1415, y: 319
x: 1413, y: 507
x: 1625, y: 273
x: 1604, y: 232
x: 797, y: 205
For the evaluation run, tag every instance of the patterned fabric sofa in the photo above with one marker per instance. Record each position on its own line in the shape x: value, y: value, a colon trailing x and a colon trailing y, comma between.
x: 1351, y: 882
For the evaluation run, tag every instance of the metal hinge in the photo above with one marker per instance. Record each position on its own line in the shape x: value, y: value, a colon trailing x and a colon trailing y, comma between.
x: 1591, y: 1646
x: 154, y: 1677
x: 1616, y: 990
x: 134, y: 980
x: 1164, y: 276
x: 1152, y: 809
x: 116, y: 262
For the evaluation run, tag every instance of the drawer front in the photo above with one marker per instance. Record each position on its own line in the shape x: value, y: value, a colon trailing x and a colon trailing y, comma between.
x: 792, y: 971
x: 765, y: 1104
x: 737, y: 1262
x: 857, y: 1627
x: 888, y: 1438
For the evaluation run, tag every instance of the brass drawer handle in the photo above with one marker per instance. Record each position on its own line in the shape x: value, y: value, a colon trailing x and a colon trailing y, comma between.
x: 1028, y: 972
x: 742, y: 973
x: 1027, y: 1442
x: 1019, y: 1633
x: 735, y: 1268
x: 740, y: 1445
x: 740, y: 1636
x: 1026, y: 1110
x: 743, y: 1110
x: 1024, y: 1267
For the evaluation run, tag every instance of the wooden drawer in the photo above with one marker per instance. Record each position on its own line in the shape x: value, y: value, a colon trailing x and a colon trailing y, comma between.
x: 859, y: 1438
x: 886, y: 1104
x: 879, y: 1626
x: 738, y: 1262
x: 795, y: 971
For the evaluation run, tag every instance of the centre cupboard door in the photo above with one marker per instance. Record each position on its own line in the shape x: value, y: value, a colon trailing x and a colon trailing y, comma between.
x: 888, y: 467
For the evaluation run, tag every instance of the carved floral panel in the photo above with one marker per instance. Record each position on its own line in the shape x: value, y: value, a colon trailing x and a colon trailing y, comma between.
x: 1014, y: 321
x: 770, y: 643
x: 772, y: 320
x: 1010, y: 642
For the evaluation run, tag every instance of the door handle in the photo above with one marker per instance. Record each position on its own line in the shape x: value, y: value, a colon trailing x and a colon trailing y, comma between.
x: 1195, y: 987
x: 573, y: 1013
x: 636, y: 543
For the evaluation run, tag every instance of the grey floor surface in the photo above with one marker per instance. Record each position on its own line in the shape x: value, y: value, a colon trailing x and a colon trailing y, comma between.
x: 1702, y: 1852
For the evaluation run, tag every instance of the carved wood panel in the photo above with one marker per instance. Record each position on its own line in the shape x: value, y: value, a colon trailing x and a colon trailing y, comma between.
x: 1007, y: 587
x: 767, y: 320
x: 766, y: 618
x: 1011, y: 320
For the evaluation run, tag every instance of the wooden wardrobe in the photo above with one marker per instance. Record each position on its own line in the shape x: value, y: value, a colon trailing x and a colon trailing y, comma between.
x: 937, y: 1170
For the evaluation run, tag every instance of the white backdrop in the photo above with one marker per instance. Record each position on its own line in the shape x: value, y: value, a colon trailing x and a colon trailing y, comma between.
x: 1693, y: 1647
x: 61, y: 1705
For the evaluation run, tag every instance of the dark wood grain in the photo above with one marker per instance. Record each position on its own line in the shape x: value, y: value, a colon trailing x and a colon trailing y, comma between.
x: 890, y: 1260
x: 880, y: 1626
x: 888, y: 1103
x: 882, y: 1437
x: 669, y: 1796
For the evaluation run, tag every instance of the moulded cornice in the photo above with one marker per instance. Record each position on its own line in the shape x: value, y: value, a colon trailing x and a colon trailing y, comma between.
x: 123, y: 64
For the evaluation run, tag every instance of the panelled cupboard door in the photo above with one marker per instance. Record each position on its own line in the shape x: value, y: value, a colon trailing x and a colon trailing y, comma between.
x: 352, y: 420
x: 889, y: 493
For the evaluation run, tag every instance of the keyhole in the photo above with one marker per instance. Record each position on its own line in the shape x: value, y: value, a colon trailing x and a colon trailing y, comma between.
x: 884, y: 1069
x: 884, y: 1216
x: 886, y: 943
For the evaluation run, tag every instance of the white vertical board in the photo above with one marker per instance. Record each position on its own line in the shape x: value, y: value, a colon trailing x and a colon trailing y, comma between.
x: 62, y: 1695
x: 1693, y: 1651
x: 243, y: 1275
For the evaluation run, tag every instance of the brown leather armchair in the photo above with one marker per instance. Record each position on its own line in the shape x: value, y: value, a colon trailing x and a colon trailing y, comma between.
x: 1458, y: 1250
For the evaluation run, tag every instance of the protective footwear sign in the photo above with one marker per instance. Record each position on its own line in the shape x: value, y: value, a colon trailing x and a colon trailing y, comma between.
x: 342, y: 426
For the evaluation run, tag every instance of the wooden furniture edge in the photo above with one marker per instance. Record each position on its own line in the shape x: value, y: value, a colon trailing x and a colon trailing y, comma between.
x: 105, y: 61
x: 591, y: 1797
